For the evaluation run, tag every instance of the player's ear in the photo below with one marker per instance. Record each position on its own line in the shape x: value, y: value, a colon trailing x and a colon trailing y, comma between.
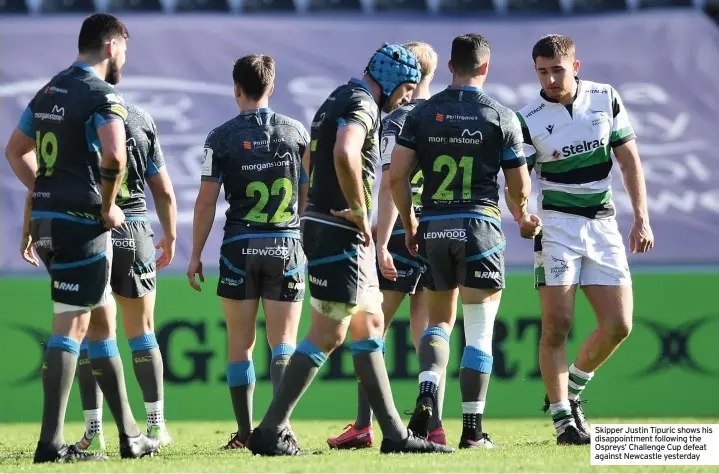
x: 576, y: 67
x: 271, y: 90
x: 238, y: 91
x: 449, y: 65
x: 484, y: 68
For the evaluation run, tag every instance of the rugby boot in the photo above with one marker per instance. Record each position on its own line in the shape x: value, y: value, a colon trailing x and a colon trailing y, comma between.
x: 578, y: 414
x: 95, y: 443
x: 466, y: 442
x: 138, y: 446
x: 352, y: 438
x: 273, y: 444
x: 419, y: 422
x: 161, y: 433
x: 437, y: 436
x: 68, y: 453
x: 412, y: 444
x: 235, y: 442
x: 572, y: 436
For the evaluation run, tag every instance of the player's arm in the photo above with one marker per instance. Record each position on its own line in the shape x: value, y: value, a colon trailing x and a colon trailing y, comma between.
x: 623, y: 142
x: 303, y: 195
x: 404, y: 161
x: 108, y: 119
x: 386, y: 210
x: 304, y: 182
x: 163, y: 193
x: 516, y: 174
x: 20, y: 149
x: 26, y: 249
x: 348, y: 165
x: 205, y: 207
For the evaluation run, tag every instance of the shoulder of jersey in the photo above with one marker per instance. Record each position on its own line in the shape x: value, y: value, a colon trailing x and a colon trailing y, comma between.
x: 397, y: 116
x: 534, y: 107
x: 285, y: 120
x: 135, y: 111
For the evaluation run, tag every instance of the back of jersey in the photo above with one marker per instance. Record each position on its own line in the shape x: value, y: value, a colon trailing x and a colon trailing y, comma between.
x: 462, y: 139
x: 144, y: 159
x: 350, y: 103
x: 257, y: 156
x: 63, y: 117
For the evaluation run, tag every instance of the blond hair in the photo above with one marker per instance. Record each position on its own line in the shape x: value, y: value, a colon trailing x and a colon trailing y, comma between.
x: 426, y: 56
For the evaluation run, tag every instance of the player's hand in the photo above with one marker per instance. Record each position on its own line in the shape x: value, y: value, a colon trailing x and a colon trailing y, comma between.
x: 195, y: 268
x: 359, y: 221
x: 529, y: 225
x: 641, y: 237
x: 114, y: 217
x: 410, y: 237
x: 27, y: 251
x: 386, y: 263
x: 167, y: 245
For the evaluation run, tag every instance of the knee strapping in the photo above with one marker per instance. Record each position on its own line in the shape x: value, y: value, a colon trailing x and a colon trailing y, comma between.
x: 479, y: 325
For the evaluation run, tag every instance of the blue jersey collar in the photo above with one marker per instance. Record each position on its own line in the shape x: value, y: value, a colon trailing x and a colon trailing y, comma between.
x: 85, y: 67
x: 361, y: 83
x: 466, y: 88
x: 264, y: 110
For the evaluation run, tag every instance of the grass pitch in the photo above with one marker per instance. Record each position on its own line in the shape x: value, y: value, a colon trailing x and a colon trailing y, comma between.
x: 523, y: 446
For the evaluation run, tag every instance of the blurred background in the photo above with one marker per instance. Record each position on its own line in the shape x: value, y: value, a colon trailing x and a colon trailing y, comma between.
x: 661, y: 55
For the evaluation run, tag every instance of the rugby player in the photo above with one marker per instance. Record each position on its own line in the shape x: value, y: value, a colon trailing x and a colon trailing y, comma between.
x: 75, y: 125
x: 461, y: 139
x: 569, y: 132
x: 400, y: 273
x: 257, y: 157
x: 337, y: 241
x: 133, y: 278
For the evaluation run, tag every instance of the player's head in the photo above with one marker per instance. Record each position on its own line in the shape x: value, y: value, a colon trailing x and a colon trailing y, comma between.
x: 470, y: 56
x: 556, y: 65
x: 426, y: 57
x: 105, y: 37
x: 397, y: 72
x: 254, y: 77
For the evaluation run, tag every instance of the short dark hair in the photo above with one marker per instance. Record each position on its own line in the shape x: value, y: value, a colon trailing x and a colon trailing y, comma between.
x: 254, y: 74
x: 469, y: 52
x: 551, y: 46
x: 98, y: 29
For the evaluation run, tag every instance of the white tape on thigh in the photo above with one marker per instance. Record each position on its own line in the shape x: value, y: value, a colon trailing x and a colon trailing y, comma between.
x: 371, y: 301
x: 479, y: 324
x: 59, y: 308
x: 333, y: 309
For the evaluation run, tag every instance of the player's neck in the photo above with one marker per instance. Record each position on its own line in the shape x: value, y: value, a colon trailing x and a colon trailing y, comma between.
x: 246, y: 105
x: 374, y: 87
x: 468, y: 81
x: 96, y: 64
x: 421, y: 92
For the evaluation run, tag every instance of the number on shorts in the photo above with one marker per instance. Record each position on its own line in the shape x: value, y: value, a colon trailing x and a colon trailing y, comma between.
x: 283, y: 212
x: 446, y: 161
x: 46, y: 152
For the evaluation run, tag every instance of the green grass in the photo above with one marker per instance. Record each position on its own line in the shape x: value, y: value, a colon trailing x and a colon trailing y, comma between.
x: 524, y: 446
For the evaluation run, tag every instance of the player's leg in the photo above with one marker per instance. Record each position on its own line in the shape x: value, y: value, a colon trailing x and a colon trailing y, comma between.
x: 434, y: 348
x: 92, y: 401
x: 240, y: 288
x: 557, y: 269
x: 134, y: 283
x: 360, y: 434
x: 606, y: 282
x: 73, y: 292
x: 419, y: 322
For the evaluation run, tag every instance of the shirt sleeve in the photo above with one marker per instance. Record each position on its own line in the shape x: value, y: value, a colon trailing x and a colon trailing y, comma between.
x: 211, y: 165
x: 304, y: 143
x: 27, y: 121
x: 155, y: 159
x: 359, y: 111
x: 622, y: 131
x: 109, y: 107
x: 513, y: 143
x: 407, y: 136
x: 530, y: 153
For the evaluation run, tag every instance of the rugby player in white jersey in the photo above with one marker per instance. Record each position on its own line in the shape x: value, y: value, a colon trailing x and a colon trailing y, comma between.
x: 569, y: 132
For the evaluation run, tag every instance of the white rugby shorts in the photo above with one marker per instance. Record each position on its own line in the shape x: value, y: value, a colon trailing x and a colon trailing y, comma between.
x: 577, y: 250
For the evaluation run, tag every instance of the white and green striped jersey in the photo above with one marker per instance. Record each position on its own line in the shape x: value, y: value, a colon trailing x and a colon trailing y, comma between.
x: 570, y: 149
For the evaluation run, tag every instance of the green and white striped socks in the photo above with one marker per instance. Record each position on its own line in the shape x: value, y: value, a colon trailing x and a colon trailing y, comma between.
x: 562, y: 416
x: 578, y: 380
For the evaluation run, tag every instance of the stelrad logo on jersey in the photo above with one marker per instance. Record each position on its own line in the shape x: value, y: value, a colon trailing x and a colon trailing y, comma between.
x: 577, y: 149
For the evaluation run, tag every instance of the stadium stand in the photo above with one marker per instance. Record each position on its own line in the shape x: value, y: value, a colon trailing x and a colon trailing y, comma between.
x: 431, y: 6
